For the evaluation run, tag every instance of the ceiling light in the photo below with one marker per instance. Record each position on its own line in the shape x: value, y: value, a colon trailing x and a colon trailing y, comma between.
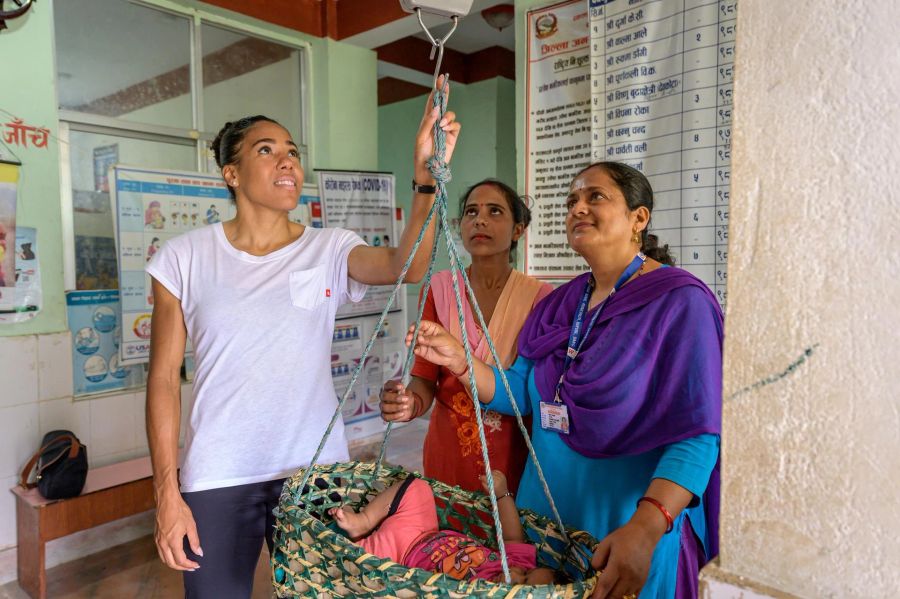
x: 499, y: 16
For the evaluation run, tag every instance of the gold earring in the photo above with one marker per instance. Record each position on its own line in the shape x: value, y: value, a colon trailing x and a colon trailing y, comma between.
x: 636, y: 237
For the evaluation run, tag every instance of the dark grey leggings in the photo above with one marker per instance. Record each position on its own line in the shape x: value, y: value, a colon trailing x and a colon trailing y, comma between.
x: 232, y: 523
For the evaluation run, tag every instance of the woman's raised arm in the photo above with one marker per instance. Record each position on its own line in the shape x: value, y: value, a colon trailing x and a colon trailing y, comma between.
x: 382, y: 266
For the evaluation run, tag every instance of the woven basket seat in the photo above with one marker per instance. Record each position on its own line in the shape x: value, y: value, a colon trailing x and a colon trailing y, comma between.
x: 313, y: 559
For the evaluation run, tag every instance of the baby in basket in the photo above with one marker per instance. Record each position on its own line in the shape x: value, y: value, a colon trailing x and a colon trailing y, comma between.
x: 401, y: 524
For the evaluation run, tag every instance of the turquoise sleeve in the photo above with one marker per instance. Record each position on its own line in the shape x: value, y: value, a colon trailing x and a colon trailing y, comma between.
x: 517, y: 375
x: 688, y: 463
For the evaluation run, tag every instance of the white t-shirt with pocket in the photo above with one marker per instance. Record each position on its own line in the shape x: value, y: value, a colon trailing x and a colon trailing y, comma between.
x: 261, y: 329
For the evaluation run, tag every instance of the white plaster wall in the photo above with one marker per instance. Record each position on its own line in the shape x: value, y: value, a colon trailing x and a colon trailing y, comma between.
x: 36, y: 397
x: 812, y: 459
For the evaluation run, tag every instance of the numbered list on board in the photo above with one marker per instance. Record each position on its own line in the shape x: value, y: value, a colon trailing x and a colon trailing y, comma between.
x: 661, y: 101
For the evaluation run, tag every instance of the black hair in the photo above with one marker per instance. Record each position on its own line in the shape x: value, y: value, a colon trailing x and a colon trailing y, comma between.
x: 228, y: 142
x: 521, y: 213
x: 637, y: 191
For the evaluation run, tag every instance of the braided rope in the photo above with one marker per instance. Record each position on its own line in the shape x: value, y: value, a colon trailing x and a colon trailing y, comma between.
x: 488, y: 473
x: 440, y: 171
x: 454, y: 262
x: 407, y: 364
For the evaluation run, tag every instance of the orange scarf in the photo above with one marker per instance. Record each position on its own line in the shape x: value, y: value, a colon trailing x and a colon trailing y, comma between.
x: 513, y: 307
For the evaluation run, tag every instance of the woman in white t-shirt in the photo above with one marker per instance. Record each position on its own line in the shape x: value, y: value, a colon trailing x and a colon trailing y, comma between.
x: 257, y: 296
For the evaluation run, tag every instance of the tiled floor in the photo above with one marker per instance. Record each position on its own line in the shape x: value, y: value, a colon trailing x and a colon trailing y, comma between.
x: 133, y: 570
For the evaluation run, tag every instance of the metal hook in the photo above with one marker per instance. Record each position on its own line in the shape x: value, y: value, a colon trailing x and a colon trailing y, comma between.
x: 437, y: 44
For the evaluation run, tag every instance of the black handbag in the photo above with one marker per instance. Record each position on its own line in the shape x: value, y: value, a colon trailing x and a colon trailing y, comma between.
x: 61, y: 466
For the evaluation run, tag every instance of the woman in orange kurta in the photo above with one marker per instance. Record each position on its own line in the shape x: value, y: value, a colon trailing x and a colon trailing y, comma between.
x: 493, y: 217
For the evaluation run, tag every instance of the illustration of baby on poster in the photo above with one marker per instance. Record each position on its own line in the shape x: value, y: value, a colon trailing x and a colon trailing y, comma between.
x: 9, y: 176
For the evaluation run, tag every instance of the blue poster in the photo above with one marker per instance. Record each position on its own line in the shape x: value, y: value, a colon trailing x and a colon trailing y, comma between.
x: 94, y: 322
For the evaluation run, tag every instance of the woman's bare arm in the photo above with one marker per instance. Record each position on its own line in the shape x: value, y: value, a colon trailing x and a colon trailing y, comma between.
x: 173, y: 517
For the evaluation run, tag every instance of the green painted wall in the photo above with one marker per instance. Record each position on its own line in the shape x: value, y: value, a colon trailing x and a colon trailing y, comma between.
x: 345, y: 107
x: 485, y: 147
x: 343, y: 125
x: 27, y: 90
x: 506, y: 131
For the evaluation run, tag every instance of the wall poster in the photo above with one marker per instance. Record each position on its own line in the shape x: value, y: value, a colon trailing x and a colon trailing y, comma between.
x: 362, y: 202
x: 26, y: 302
x: 149, y: 208
x: 557, y: 131
x: 94, y: 322
x: 9, y: 189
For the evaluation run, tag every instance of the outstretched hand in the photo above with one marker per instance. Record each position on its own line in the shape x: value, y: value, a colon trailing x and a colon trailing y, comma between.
x: 424, y: 148
x: 437, y: 346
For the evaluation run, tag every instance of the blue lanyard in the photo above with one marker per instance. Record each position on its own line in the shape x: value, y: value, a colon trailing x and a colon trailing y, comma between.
x: 576, y: 337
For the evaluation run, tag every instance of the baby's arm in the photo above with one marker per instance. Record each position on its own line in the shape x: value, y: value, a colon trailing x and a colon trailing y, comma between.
x: 358, y: 525
x: 506, y: 505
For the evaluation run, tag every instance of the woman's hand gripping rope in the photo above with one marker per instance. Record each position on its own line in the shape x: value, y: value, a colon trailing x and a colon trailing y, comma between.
x: 425, y: 145
x: 398, y: 404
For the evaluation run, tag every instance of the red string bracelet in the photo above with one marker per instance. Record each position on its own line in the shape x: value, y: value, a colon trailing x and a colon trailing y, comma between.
x: 670, y: 523
x: 461, y: 374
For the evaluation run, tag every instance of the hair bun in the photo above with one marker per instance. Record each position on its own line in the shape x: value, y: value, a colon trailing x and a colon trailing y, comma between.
x: 216, y: 144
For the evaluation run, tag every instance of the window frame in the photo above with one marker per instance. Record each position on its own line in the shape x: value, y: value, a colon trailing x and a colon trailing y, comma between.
x: 70, y: 120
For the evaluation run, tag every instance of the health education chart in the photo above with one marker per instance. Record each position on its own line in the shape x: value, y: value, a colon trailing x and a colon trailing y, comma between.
x: 662, y: 73
x: 150, y: 207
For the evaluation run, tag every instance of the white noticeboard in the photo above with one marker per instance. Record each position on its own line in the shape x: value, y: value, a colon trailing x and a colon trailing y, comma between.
x: 557, y: 131
x: 662, y: 102
x: 149, y: 208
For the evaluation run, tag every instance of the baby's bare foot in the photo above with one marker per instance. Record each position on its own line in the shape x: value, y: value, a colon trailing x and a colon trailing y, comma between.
x: 354, y: 524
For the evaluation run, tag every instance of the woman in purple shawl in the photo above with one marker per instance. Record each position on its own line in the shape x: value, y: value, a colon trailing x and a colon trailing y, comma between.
x: 622, y: 369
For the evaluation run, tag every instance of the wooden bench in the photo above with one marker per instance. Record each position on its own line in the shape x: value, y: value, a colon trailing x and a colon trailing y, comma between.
x: 110, y: 492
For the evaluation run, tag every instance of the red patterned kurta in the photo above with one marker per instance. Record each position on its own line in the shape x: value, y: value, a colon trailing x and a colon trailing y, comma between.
x: 452, y: 451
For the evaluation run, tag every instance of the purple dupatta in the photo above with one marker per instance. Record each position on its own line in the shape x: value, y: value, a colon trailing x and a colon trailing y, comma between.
x: 648, y: 375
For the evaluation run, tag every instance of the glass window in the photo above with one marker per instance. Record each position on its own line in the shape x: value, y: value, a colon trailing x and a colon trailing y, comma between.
x: 245, y: 75
x: 124, y: 74
x: 122, y: 60
x: 90, y: 156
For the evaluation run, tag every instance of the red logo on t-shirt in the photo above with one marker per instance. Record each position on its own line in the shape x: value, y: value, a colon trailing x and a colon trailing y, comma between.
x: 327, y: 292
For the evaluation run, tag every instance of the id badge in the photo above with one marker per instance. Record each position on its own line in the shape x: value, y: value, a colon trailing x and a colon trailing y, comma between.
x: 555, y: 417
